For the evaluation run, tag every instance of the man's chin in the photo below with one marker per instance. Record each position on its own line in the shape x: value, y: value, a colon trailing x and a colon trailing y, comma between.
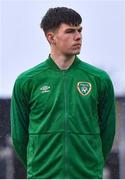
x: 76, y: 53
x: 73, y: 53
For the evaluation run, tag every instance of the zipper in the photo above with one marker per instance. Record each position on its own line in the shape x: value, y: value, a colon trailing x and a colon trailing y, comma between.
x: 66, y: 163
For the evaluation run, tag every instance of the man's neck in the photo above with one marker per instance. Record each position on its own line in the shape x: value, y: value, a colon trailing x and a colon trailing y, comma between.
x: 63, y: 62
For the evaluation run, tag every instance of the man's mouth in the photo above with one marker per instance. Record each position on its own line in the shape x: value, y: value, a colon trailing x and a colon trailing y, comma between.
x: 77, y: 45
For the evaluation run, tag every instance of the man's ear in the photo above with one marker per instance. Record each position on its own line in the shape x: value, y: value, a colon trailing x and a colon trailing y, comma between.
x: 50, y: 37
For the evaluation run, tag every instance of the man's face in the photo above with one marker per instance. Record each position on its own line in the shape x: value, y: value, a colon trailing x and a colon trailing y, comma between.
x: 68, y: 39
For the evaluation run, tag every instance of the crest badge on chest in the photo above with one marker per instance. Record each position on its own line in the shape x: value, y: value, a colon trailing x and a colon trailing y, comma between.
x: 84, y: 88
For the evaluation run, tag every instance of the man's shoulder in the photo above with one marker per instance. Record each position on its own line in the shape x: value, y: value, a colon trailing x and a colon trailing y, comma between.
x: 33, y: 72
x: 93, y: 70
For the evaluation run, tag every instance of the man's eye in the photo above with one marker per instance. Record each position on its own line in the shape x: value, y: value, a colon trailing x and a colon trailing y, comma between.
x: 70, y: 31
x: 73, y: 31
x: 80, y: 30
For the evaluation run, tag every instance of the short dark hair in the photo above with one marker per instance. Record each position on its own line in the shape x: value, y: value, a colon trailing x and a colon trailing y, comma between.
x: 54, y: 17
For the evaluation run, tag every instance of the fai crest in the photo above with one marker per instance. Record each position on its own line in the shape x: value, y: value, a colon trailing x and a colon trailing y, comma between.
x: 84, y: 88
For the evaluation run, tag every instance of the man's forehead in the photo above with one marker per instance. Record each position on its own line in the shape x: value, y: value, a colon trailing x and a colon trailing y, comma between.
x: 67, y: 26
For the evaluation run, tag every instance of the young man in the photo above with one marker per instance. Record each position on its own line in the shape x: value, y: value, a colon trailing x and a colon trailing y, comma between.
x: 63, y: 110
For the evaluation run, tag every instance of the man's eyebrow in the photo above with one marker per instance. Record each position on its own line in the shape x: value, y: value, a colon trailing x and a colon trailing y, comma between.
x: 73, y: 28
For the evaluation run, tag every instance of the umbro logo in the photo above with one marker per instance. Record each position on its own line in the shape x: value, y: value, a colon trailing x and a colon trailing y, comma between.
x: 45, y: 89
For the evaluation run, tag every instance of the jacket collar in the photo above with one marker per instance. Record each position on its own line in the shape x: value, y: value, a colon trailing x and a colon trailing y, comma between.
x: 54, y: 66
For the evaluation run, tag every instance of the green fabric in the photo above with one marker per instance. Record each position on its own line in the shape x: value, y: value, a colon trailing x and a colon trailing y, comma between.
x: 63, y: 121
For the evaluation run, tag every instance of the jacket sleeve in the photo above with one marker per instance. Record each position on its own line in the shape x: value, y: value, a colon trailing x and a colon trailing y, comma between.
x: 20, y: 120
x: 107, y: 115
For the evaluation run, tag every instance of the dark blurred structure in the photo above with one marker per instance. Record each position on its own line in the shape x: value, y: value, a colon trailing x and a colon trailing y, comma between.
x: 11, y: 167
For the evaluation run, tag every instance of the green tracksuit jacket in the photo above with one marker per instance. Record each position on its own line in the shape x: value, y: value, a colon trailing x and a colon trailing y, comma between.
x: 63, y: 121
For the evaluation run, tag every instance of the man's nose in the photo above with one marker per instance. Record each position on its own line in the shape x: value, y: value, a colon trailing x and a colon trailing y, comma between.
x: 77, y: 35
